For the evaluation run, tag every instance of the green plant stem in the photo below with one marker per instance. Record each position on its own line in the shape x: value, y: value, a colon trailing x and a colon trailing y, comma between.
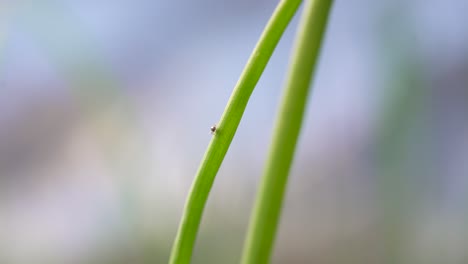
x: 185, y: 239
x: 267, y: 209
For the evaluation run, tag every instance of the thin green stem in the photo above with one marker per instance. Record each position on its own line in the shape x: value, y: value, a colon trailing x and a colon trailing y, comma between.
x: 267, y: 209
x: 185, y: 239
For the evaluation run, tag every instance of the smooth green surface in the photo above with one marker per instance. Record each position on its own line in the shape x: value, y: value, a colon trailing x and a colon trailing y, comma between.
x: 267, y: 209
x: 185, y: 239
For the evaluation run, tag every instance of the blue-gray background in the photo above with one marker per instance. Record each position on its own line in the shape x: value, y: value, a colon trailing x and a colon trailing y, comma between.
x: 105, y: 110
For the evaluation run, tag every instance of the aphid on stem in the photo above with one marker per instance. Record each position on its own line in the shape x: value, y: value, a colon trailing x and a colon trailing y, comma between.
x: 213, y: 129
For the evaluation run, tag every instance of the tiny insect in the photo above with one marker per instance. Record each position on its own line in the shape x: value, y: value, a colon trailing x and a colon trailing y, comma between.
x: 213, y: 129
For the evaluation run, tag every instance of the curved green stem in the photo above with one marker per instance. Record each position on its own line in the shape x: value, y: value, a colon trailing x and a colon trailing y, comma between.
x: 185, y: 239
x: 267, y: 210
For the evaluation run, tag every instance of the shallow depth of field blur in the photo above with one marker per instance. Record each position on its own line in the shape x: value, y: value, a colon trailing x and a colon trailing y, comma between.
x: 105, y: 110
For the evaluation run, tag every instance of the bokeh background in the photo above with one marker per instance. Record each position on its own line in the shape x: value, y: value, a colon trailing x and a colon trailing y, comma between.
x: 105, y: 110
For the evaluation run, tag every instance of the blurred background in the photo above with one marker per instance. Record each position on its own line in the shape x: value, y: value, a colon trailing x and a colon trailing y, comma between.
x: 105, y: 110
